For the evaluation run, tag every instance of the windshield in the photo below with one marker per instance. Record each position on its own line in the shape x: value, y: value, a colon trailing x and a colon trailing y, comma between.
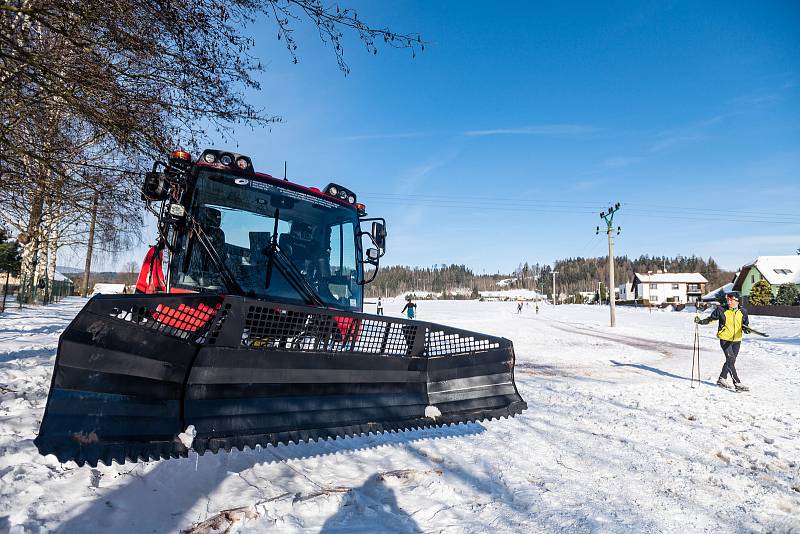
x: 238, y: 216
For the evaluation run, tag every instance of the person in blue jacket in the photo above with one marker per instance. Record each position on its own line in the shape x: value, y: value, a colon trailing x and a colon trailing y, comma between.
x: 410, y: 309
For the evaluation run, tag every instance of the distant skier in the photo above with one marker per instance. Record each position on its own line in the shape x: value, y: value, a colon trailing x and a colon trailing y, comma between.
x: 410, y: 309
x: 519, y: 308
x: 732, y: 321
x: 537, y: 308
x: 380, y: 306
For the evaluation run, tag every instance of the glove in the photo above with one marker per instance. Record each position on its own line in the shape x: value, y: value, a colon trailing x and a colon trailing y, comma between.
x: 697, y: 319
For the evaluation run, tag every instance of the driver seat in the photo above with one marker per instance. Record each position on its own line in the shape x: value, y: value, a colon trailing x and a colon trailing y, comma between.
x: 210, y: 220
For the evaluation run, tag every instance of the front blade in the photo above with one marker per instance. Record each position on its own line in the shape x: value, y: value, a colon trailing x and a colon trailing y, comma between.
x: 257, y: 373
x: 119, y: 378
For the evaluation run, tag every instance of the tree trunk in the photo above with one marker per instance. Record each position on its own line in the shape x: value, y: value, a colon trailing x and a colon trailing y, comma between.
x: 31, y: 246
x: 53, y: 236
x: 90, y: 247
x: 5, y: 292
x: 41, y: 276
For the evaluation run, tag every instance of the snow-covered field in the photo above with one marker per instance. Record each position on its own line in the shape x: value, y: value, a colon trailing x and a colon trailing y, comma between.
x: 614, y: 440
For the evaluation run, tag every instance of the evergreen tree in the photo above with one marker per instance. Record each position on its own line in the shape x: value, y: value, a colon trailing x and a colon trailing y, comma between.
x: 9, y: 254
x: 788, y: 295
x: 761, y: 293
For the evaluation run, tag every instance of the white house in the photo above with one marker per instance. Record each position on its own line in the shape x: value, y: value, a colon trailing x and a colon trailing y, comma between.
x: 625, y: 291
x: 675, y: 288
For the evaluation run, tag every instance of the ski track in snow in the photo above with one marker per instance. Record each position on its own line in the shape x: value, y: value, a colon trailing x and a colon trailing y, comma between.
x: 614, y: 440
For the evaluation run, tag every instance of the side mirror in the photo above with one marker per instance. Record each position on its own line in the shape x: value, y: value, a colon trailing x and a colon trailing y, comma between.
x: 378, y: 235
x: 154, y: 187
x: 373, y: 254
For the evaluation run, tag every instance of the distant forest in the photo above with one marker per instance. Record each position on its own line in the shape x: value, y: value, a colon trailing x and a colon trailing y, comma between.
x: 574, y: 275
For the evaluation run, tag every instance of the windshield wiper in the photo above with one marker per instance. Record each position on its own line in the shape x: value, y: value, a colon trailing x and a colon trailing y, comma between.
x: 293, y: 275
x: 227, y: 277
x: 288, y: 269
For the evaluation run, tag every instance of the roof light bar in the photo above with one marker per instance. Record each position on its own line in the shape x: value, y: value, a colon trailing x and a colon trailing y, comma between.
x: 227, y: 159
x: 342, y: 193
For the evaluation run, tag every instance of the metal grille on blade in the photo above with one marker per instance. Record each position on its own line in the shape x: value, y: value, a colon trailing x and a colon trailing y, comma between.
x: 441, y: 343
x: 275, y: 327
x: 181, y: 321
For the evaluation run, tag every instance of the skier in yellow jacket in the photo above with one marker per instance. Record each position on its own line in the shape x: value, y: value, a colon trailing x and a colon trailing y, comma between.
x: 732, y: 322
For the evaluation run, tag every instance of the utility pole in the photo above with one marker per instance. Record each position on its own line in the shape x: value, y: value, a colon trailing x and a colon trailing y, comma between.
x: 554, y: 287
x: 608, y: 217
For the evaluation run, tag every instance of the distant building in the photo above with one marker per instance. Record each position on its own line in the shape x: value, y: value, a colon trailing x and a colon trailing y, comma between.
x: 677, y: 288
x: 111, y: 289
x: 776, y: 270
x: 625, y: 291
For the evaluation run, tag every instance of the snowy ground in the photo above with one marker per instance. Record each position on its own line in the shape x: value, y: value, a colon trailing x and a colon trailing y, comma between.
x: 614, y: 440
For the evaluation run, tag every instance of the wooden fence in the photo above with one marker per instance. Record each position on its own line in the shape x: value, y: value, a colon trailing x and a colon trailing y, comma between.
x: 777, y: 310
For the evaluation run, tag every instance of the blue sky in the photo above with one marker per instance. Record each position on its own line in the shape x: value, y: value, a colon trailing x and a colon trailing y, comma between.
x: 519, y: 122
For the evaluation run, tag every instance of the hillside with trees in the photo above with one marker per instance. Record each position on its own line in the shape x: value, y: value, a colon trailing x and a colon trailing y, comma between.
x: 574, y: 275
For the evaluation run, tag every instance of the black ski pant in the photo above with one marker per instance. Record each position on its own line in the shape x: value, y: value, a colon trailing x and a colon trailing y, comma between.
x: 731, y: 350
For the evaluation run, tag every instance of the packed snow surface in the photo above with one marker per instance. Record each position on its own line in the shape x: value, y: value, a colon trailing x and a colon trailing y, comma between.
x: 614, y: 440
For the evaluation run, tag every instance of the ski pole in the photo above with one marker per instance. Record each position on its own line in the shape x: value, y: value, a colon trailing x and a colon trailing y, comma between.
x: 696, y: 355
x: 748, y: 330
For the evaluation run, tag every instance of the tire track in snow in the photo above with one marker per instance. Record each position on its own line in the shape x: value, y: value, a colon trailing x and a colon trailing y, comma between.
x: 667, y: 349
x: 640, y: 343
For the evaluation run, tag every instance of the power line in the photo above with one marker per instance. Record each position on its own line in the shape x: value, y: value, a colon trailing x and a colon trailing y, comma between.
x: 567, y: 204
x: 496, y: 204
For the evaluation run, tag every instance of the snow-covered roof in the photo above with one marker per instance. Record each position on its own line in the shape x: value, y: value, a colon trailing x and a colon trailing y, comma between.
x: 778, y: 269
x: 58, y: 277
x: 512, y: 294
x: 108, y: 289
x: 712, y: 295
x: 674, y: 278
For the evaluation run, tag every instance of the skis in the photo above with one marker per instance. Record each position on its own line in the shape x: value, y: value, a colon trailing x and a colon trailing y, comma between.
x: 748, y: 330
